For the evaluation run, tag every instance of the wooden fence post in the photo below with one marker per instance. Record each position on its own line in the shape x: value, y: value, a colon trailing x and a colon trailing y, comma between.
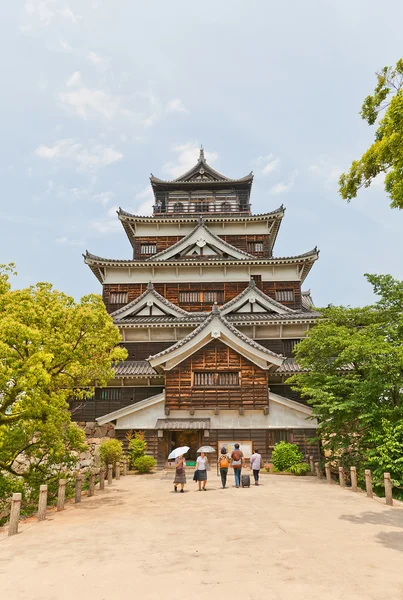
x: 110, y: 474
x: 318, y: 471
x: 14, y: 514
x: 311, y: 463
x: 91, y: 489
x: 388, y: 489
x: 102, y: 478
x: 117, y: 470
x: 353, y: 475
x: 328, y: 473
x: 43, y: 502
x: 79, y: 485
x: 61, y: 494
x: 368, y: 483
x: 124, y: 470
x: 342, y: 479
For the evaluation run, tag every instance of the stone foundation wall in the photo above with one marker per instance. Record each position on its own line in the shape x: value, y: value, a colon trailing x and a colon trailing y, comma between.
x: 95, y: 434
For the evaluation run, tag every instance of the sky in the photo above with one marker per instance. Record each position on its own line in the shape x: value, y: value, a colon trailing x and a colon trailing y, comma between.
x: 96, y: 95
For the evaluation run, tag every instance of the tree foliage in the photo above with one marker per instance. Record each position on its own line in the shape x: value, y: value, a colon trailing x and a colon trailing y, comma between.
x: 286, y: 455
x: 51, y: 348
x: 144, y: 464
x: 111, y: 452
x: 137, y: 446
x: 385, y: 155
x: 354, y: 380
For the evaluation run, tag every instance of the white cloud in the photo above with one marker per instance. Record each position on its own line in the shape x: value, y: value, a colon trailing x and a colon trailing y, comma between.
x: 146, y: 196
x: 188, y: 155
x: 74, y: 79
x: 281, y: 187
x: 44, y: 11
x: 65, y: 241
x: 96, y: 59
x: 67, y: 13
x: 93, y: 157
x: 109, y: 224
x: 150, y: 120
x: 65, y: 46
x: 326, y: 170
x: 88, y: 102
x: 265, y: 165
x: 176, y: 105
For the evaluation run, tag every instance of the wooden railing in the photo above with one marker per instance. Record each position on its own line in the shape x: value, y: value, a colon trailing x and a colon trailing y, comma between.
x: 101, y: 475
x: 316, y: 469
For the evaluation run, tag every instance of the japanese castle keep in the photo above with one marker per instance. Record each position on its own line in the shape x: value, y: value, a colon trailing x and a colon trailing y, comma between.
x: 209, y: 316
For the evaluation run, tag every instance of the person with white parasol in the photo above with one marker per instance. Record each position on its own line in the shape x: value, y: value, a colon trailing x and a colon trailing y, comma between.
x: 180, y: 464
x: 202, y: 465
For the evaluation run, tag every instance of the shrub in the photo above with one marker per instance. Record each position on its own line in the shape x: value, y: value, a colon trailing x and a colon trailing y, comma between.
x: 110, y: 452
x: 137, y: 447
x: 144, y: 464
x: 285, y: 456
x: 299, y: 469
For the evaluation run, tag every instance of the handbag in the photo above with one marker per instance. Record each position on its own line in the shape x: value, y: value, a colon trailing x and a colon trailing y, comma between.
x: 196, y: 475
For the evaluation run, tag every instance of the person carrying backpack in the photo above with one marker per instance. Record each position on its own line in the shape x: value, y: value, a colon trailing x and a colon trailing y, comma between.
x: 224, y: 464
x: 237, y: 462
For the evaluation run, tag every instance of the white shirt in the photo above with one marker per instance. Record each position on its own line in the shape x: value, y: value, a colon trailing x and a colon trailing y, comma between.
x: 201, y: 463
x: 256, y: 461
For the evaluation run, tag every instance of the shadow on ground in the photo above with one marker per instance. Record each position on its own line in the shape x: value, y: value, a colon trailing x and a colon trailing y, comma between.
x: 390, y: 518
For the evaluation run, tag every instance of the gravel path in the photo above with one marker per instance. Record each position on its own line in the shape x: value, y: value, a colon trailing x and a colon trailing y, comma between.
x: 291, y: 537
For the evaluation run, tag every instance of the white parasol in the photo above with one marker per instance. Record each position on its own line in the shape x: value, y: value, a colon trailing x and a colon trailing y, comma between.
x: 206, y: 449
x: 178, y: 452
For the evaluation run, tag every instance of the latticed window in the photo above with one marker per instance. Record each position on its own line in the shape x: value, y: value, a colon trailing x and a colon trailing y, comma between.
x: 284, y: 295
x: 225, y: 207
x: 118, y: 298
x: 289, y: 347
x: 148, y: 249
x: 255, y: 246
x: 202, y: 207
x: 216, y: 379
x: 200, y: 297
x: 178, y: 207
x: 111, y: 394
x: 277, y: 435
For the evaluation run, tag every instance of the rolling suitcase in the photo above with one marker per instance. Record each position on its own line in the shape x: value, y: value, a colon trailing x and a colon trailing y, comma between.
x: 245, y: 480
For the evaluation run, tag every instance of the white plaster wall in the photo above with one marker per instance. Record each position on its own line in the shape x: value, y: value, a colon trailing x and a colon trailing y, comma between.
x: 239, y: 272
x: 150, y: 229
x: 279, y: 417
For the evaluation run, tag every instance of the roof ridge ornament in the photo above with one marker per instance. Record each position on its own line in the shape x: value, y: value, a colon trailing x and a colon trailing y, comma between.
x: 150, y: 286
x: 215, y: 310
x: 201, y: 220
x: 252, y: 283
x: 201, y: 155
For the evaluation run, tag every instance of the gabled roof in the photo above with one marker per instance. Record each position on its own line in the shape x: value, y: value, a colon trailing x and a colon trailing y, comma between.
x: 149, y: 299
x: 201, y: 173
x: 305, y: 260
x: 200, y: 237
x: 127, y: 410
x: 216, y: 326
x: 252, y: 295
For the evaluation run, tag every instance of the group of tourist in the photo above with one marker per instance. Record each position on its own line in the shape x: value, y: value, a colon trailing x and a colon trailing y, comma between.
x: 236, y: 461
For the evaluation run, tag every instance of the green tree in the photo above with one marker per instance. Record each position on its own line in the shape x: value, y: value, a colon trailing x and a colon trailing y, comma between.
x: 385, y: 155
x: 354, y: 378
x: 51, y: 348
x: 111, y: 452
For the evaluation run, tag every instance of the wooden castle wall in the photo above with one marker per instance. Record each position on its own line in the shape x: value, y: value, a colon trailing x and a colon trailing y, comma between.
x: 180, y: 393
x: 230, y: 290
x: 242, y: 242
